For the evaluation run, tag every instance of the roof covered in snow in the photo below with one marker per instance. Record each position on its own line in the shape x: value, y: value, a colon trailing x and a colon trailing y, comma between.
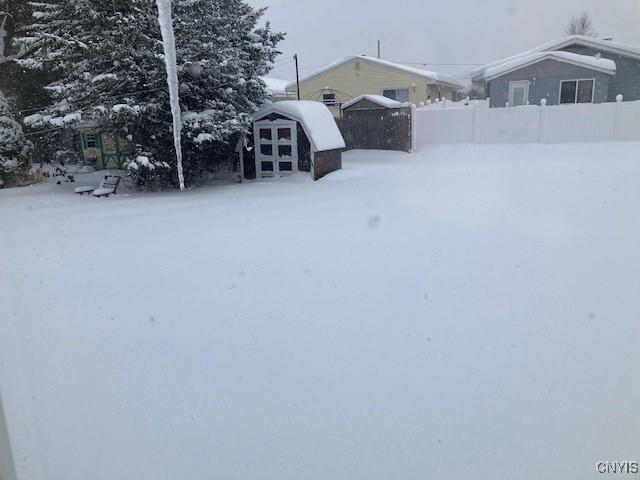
x: 563, y: 42
x: 592, y: 63
x: 275, y: 86
x: 377, y: 99
x: 432, y: 77
x: 315, y: 118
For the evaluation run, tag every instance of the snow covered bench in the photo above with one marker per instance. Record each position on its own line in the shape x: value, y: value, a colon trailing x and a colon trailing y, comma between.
x: 107, y: 187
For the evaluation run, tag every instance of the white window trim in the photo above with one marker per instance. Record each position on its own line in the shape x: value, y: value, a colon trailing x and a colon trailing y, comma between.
x: 408, y: 89
x: 94, y: 139
x: 518, y: 83
x: 329, y: 103
x: 576, y: 80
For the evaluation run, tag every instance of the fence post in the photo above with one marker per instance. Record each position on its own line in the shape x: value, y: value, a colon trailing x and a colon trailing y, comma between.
x: 475, y: 122
x: 619, y: 99
x: 543, y: 103
x: 414, y: 128
x: 484, y: 121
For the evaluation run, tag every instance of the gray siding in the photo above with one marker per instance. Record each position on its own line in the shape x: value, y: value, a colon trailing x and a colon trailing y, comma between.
x: 627, y: 78
x: 548, y: 75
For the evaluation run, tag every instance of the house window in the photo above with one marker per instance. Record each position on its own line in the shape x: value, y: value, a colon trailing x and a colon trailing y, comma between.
x: 329, y: 98
x: 399, y: 94
x: 576, y: 91
x: 90, y: 140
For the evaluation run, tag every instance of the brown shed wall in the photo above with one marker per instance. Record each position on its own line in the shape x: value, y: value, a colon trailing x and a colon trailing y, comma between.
x: 326, y: 162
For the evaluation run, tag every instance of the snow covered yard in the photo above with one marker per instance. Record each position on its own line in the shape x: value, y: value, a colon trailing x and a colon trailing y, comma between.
x: 466, y: 312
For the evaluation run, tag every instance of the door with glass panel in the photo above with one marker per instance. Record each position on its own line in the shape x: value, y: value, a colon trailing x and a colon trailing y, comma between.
x: 276, y: 148
x: 518, y: 93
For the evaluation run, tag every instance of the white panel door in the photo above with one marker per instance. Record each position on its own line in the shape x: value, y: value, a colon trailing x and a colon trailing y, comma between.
x: 276, y: 146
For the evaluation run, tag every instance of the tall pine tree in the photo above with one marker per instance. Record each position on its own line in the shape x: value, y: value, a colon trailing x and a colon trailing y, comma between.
x: 14, y: 148
x: 110, y: 58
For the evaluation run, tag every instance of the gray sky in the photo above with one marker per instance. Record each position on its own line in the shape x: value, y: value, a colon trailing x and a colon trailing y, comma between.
x: 433, y: 31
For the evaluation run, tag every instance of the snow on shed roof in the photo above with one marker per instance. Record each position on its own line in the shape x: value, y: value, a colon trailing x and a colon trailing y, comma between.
x: 563, y: 42
x: 315, y: 118
x: 377, y: 99
x: 592, y: 63
x: 275, y: 86
x: 435, y: 77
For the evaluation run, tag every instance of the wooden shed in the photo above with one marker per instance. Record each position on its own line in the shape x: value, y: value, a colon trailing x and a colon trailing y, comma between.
x: 291, y: 137
x: 376, y: 122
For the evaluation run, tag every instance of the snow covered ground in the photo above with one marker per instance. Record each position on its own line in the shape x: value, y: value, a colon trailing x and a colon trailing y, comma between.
x: 467, y: 312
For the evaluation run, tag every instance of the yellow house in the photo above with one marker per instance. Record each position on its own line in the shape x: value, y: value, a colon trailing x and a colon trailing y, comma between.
x: 353, y: 76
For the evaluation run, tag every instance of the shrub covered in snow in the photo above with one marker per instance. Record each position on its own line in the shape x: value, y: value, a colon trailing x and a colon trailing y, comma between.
x: 148, y: 174
x: 111, y: 63
x: 14, y: 148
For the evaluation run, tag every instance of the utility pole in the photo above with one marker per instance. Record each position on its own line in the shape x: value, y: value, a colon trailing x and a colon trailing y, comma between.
x: 295, y: 57
x: 378, y: 48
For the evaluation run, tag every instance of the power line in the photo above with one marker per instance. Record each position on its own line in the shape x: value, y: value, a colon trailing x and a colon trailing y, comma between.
x: 283, y: 61
x: 89, y: 102
x: 31, y: 134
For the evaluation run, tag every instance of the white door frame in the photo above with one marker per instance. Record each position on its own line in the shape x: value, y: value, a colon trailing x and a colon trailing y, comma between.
x: 275, y: 143
x: 515, y: 84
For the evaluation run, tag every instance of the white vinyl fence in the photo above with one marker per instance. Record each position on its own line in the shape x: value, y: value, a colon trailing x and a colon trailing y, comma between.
x: 528, y: 124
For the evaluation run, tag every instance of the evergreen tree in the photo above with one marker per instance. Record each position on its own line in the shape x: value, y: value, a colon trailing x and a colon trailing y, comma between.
x: 14, y: 148
x: 110, y: 58
x: 25, y: 87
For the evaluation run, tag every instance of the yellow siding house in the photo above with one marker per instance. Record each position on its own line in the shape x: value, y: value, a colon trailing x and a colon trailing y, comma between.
x: 353, y: 76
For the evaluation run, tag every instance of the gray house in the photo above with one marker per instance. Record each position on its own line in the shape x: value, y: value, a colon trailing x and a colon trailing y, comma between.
x: 574, y: 69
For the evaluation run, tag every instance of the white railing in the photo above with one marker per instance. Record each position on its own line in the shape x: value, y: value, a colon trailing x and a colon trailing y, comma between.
x: 478, y: 123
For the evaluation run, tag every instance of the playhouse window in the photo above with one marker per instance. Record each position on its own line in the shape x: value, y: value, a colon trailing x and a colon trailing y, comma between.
x: 90, y: 140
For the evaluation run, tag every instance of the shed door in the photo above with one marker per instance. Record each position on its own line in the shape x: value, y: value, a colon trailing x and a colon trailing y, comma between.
x: 276, y: 148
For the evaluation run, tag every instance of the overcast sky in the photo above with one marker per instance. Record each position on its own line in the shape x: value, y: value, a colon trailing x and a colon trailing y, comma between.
x: 433, y: 31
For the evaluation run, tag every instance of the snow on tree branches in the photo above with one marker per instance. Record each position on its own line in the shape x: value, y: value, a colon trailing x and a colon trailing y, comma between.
x: 110, y: 59
x: 14, y: 147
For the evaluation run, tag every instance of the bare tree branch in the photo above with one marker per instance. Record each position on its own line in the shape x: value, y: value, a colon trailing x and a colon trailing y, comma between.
x: 581, y: 25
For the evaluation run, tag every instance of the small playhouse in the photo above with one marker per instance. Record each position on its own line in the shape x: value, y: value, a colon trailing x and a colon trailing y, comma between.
x: 103, y: 150
x: 289, y: 137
